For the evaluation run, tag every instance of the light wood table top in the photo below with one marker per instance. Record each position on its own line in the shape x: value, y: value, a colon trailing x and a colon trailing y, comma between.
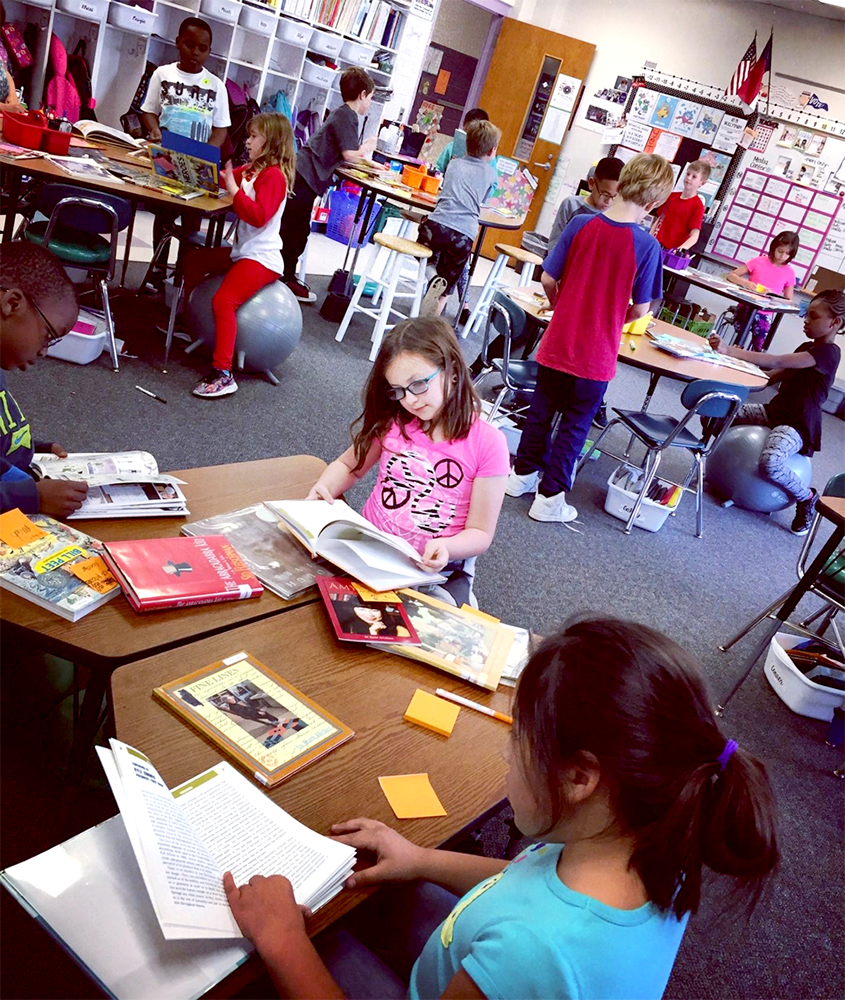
x: 367, y: 689
x: 833, y: 508
x: 114, y: 633
x: 737, y: 293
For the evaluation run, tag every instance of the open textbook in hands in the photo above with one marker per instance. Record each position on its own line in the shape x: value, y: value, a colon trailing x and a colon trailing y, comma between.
x: 185, y: 838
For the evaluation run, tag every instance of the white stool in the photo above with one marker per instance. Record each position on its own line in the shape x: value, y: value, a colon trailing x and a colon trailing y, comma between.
x: 402, y: 248
x: 407, y: 270
x: 505, y: 253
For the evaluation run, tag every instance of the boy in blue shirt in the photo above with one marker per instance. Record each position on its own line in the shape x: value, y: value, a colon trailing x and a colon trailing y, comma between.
x: 37, y: 308
x: 600, y: 264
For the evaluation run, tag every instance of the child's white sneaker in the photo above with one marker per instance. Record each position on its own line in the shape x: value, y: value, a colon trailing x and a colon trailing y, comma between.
x: 517, y: 485
x: 552, y: 509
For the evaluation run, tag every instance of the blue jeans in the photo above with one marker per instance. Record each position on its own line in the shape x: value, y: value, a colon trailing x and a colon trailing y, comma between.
x: 576, y: 400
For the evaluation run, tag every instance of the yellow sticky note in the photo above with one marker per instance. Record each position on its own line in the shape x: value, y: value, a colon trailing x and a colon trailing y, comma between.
x: 95, y: 573
x: 411, y: 796
x: 16, y: 529
x: 379, y: 596
x: 433, y: 713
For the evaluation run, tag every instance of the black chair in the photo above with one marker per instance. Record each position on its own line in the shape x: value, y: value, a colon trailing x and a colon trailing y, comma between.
x: 504, y: 329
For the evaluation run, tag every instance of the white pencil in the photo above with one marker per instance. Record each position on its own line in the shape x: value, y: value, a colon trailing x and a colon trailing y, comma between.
x: 458, y: 700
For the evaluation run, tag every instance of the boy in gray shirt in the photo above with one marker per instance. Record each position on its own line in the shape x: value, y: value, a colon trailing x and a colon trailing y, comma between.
x: 452, y: 227
x: 603, y: 183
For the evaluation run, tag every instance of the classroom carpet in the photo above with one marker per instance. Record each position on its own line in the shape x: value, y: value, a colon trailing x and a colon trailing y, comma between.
x: 698, y: 591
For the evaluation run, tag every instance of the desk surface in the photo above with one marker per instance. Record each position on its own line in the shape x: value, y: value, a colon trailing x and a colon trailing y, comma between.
x: 714, y: 283
x: 114, y: 633
x: 368, y: 690
x: 833, y: 508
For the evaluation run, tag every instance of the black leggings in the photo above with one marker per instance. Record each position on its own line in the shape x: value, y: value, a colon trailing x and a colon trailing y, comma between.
x: 296, y: 225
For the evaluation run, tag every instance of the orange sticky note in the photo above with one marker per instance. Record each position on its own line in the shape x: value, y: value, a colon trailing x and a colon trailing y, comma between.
x: 16, y: 529
x: 411, y: 796
x: 378, y: 596
x: 442, y: 81
x: 431, y: 712
x: 94, y: 572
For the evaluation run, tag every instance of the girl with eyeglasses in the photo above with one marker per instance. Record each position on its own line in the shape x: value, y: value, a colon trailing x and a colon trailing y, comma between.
x: 441, y: 468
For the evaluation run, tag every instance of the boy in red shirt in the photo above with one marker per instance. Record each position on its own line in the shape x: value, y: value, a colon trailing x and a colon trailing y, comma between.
x: 678, y: 223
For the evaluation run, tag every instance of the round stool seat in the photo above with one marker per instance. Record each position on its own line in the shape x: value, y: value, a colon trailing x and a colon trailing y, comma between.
x: 401, y: 245
x: 519, y: 253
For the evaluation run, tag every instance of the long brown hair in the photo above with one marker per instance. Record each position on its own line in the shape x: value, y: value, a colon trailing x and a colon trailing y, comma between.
x: 635, y: 700
x: 786, y: 239
x: 434, y: 340
x: 279, y: 147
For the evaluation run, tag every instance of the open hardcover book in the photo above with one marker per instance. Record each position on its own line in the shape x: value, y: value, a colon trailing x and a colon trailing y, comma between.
x: 97, y: 132
x: 338, y: 533
x: 121, y: 484
x: 680, y: 348
x: 184, y: 839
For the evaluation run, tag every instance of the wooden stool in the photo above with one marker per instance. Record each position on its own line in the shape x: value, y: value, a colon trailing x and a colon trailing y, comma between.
x: 505, y: 253
x: 407, y: 269
x: 402, y: 248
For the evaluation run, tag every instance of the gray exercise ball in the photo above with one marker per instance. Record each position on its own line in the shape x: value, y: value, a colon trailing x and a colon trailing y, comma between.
x: 733, y: 471
x: 269, y: 325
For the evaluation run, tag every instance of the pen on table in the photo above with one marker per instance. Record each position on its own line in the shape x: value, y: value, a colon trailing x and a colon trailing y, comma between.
x: 147, y: 392
x: 458, y: 700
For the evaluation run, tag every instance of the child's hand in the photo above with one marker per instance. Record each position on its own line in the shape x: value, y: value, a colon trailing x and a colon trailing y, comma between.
x: 715, y: 341
x: 397, y: 859
x: 154, y: 134
x: 60, y: 498
x: 228, y: 176
x: 435, y: 555
x: 320, y: 492
x: 265, y: 908
x: 58, y: 450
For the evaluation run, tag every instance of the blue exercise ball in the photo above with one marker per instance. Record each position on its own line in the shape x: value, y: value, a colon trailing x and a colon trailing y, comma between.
x: 733, y: 471
x: 269, y: 325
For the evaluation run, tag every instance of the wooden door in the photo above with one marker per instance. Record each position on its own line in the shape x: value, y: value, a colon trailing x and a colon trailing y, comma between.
x: 525, y: 65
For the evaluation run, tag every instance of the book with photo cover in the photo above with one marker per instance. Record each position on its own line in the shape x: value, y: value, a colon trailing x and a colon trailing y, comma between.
x: 266, y: 546
x: 267, y: 725
x: 56, y: 567
x: 461, y: 641
x: 360, y: 615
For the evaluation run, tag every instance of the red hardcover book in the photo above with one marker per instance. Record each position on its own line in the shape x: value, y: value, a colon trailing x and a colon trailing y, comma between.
x: 157, y: 573
x: 361, y: 615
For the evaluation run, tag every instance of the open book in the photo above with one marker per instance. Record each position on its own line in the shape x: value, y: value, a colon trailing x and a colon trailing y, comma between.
x: 97, y: 132
x: 338, y: 533
x: 121, y: 484
x: 702, y: 351
x: 184, y: 839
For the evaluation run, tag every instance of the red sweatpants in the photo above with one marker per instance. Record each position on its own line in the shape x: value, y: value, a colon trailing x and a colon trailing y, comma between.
x: 243, y: 280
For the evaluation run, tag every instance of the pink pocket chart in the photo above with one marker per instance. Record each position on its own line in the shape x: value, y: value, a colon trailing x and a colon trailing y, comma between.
x: 765, y: 205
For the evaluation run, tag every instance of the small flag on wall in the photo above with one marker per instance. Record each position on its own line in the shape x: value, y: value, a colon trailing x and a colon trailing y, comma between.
x: 751, y: 88
x: 814, y: 101
x: 744, y: 67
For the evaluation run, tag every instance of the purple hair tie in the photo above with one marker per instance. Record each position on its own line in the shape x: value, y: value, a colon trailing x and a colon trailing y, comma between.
x: 725, y: 755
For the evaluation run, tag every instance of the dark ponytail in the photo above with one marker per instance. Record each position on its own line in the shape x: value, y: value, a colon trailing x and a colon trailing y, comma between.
x: 636, y: 701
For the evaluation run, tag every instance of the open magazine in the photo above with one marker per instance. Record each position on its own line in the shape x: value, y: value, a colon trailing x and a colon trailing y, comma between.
x: 338, y: 533
x: 185, y: 838
x: 680, y: 348
x: 121, y: 484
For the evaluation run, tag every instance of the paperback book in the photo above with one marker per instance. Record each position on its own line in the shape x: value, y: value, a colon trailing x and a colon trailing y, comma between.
x: 358, y: 614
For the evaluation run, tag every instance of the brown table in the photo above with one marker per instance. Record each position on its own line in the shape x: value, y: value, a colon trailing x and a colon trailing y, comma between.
x: 115, y: 634
x: 367, y: 689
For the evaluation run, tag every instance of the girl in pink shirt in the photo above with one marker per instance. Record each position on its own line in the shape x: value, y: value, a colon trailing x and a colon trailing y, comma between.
x: 441, y: 468
x: 772, y: 271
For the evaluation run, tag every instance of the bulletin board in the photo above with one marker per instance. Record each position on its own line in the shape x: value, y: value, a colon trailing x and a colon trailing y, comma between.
x: 764, y: 205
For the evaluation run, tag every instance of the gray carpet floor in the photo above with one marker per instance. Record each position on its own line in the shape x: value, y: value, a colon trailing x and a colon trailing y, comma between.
x: 698, y: 591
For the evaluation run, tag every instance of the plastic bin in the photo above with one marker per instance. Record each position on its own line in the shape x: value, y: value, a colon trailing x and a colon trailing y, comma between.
x: 91, y: 10
x: 620, y: 502
x: 84, y: 343
x: 130, y: 18
x: 802, y: 695
x: 293, y: 32
x: 221, y: 10
x: 343, y: 205
x: 429, y: 184
x: 254, y: 19
x: 354, y: 52
x: 317, y: 75
x: 679, y: 261
x: 326, y: 44
x: 413, y: 176
x: 55, y: 142
x: 25, y: 130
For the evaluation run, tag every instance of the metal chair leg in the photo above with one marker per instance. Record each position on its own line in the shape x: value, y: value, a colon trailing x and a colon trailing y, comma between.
x: 699, y: 497
x: 596, y: 443
x: 171, y: 322
x: 652, y: 464
x: 503, y: 394
x: 756, y: 621
x: 104, y: 294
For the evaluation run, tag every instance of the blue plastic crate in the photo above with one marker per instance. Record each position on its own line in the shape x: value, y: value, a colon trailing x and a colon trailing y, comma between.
x: 342, y: 207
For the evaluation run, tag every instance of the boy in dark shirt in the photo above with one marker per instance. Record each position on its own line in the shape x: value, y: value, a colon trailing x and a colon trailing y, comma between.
x: 37, y: 307
x: 795, y: 414
x: 337, y: 141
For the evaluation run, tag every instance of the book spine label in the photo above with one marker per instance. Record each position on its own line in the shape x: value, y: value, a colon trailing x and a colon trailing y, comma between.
x: 168, y: 602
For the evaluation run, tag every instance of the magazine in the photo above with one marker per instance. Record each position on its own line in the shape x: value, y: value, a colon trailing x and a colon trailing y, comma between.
x: 267, y: 725
x: 680, y: 348
x: 358, y: 614
x: 518, y: 655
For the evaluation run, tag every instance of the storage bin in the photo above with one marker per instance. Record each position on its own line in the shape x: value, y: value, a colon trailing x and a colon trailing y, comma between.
x: 39, y: 3
x: 319, y: 76
x: 91, y: 10
x: 254, y: 19
x: 25, y: 130
x: 342, y: 207
x: 620, y: 502
x: 802, y: 695
x: 221, y: 10
x: 131, y: 18
x: 413, y: 176
x: 326, y: 44
x: 55, y: 142
x: 354, y: 52
x: 429, y: 184
x: 293, y: 32
x: 676, y: 260
x: 84, y: 343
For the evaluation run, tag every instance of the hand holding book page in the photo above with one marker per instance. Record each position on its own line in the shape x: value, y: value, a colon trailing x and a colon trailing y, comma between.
x: 186, y: 838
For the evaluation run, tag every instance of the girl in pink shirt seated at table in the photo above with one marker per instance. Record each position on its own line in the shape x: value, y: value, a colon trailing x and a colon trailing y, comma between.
x: 441, y: 468
x: 772, y: 271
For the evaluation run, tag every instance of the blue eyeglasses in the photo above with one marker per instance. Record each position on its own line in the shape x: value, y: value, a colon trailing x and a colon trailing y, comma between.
x: 416, y: 388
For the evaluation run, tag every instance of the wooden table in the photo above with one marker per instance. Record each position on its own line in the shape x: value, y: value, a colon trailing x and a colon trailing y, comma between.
x: 367, y: 689
x: 115, y: 634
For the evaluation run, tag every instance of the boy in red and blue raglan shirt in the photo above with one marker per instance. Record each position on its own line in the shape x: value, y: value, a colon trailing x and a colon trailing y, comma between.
x: 600, y: 264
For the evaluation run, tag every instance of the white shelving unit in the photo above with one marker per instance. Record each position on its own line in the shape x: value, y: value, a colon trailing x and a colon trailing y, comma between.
x: 254, y: 43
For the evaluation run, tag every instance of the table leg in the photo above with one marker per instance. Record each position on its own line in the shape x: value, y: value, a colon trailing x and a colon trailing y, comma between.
x: 12, y: 206
x: 476, y: 253
x: 129, y: 231
x: 746, y: 330
x: 773, y: 329
x: 85, y: 729
x: 209, y: 233
x: 367, y: 212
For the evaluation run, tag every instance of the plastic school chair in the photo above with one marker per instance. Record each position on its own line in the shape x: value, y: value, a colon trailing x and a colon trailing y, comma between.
x: 717, y: 401
x: 506, y: 321
x: 73, y: 232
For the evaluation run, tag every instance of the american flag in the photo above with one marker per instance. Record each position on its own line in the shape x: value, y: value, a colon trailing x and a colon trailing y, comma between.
x: 744, y: 68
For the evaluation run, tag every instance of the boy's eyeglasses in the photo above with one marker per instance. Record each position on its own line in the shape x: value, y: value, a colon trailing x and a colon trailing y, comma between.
x: 416, y: 388
x: 53, y: 335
